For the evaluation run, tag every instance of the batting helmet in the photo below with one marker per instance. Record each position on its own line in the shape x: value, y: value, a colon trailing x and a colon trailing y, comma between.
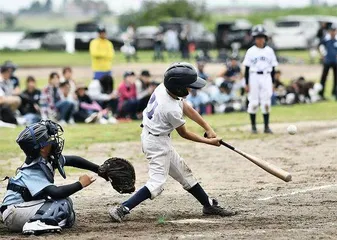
x: 180, y: 76
x: 39, y: 135
x: 259, y: 31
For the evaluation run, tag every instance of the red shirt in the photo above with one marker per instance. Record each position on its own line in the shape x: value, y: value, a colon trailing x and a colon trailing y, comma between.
x: 126, y: 92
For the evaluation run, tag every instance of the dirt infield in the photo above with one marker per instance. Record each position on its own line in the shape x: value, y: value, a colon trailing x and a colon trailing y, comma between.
x: 269, y: 208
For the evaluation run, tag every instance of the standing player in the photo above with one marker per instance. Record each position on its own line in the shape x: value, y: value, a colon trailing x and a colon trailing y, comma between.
x: 163, y: 114
x: 260, y: 62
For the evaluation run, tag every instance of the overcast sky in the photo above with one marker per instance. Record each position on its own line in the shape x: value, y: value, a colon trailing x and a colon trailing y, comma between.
x: 119, y: 6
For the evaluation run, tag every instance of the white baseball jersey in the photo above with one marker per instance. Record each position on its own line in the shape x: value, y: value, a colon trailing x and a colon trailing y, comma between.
x: 163, y: 114
x: 260, y: 62
x: 260, y: 59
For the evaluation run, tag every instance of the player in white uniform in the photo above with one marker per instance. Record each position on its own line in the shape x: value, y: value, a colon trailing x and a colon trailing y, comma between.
x: 260, y: 62
x: 163, y: 114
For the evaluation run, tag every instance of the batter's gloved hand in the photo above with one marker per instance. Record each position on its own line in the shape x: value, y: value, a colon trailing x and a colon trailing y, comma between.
x: 120, y: 173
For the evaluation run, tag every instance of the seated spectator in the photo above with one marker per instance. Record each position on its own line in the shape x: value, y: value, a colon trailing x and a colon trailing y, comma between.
x: 279, y: 94
x: 127, y: 105
x: 15, y: 80
x: 233, y: 71
x: 52, y: 106
x: 67, y: 75
x: 198, y: 100
x: 201, y: 70
x: 67, y: 96
x: 9, y: 103
x: 88, y: 109
x: 30, y: 98
x: 102, y: 91
x: 144, y: 88
x: 224, y: 98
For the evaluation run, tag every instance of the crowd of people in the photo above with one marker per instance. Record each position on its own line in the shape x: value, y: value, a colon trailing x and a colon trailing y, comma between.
x: 69, y: 102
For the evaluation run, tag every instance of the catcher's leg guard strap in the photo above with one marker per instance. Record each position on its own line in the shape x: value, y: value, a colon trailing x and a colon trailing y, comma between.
x: 58, y: 212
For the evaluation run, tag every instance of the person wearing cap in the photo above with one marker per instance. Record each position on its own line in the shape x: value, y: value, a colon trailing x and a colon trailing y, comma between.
x: 15, y: 81
x: 102, y: 54
x: 9, y: 102
x: 127, y: 104
x: 144, y: 88
x: 330, y: 59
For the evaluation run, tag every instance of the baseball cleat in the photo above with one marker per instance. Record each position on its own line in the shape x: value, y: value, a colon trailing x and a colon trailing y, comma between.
x: 268, y: 130
x: 215, y: 209
x: 254, y: 130
x: 118, y: 213
x: 38, y: 227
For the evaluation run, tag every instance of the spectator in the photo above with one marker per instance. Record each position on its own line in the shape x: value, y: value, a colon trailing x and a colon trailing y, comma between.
x: 102, y: 54
x: 322, y: 31
x: 201, y: 70
x: 233, y: 72
x: 184, y: 42
x: 224, y: 98
x: 158, y: 46
x: 330, y: 59
x: 29, y: 108
x: 279, y: 94
x: 88, y: 109
x: 52, y: 105
x: 144, y: 89
x: 67, y: 76
x: 171, y: 40
x: 15, y: 80
x: 198, y: 100
x: 102, y: 91
x: 9, y: 103
x: 127, y: 105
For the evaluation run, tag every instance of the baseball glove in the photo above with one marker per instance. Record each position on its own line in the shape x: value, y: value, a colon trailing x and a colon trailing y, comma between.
x: 120, y: 173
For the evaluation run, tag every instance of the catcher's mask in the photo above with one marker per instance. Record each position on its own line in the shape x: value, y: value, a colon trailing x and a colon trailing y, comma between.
x: 39, y: 135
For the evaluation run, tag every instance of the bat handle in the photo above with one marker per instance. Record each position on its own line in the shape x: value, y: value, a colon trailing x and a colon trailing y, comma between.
x: 223, y: 143
x: 227, y: 145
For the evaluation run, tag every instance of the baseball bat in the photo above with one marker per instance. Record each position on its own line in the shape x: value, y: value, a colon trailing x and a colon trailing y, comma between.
x: 272, y: 169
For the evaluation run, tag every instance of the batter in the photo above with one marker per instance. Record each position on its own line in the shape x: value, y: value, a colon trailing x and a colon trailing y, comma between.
x: 260, y: 62
x: 164, y: 113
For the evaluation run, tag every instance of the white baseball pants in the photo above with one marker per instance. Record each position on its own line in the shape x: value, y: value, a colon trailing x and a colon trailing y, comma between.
x: 260, y: 92
x: 163, y: 161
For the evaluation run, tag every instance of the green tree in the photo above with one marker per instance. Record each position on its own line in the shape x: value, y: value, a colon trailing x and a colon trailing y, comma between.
x: 9, y: 21
x: 152, y: 12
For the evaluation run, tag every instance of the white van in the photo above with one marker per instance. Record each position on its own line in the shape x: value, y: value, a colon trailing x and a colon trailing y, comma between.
x: 295, y: 32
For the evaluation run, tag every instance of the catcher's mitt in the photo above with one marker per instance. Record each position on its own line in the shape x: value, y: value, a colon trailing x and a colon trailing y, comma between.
x: 120, y: 173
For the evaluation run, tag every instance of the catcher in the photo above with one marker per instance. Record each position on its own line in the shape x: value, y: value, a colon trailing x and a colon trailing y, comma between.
x: 33, y: 204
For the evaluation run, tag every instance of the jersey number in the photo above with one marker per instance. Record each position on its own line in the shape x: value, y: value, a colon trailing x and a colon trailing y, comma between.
x: 152, y: 105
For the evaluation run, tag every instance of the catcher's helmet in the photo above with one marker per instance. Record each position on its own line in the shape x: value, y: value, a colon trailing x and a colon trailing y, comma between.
x: 39, y: 135
x: 258, y: 31
x: 180, y: 76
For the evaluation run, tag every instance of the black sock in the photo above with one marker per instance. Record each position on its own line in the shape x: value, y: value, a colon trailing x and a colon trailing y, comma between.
x: 253, y: 120
x: 198, y: 192
x: 266, y: 120
x: 136, y: 199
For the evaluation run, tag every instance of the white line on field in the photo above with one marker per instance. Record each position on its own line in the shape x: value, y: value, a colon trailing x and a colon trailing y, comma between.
x: 299, y: 191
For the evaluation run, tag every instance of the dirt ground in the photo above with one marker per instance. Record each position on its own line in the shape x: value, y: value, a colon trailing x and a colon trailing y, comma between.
x: 269, y: 208
x: 311, y: 72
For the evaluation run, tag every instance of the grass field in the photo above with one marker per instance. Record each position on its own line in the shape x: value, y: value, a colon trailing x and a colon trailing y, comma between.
x: 80, y: 136
x: 46, y: 58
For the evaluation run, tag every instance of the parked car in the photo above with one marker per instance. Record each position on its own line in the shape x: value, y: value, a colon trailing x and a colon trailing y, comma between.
x: 86, y: 31
x: 145, y: 36
x: 295, y: 32
x: 237, y: 31
x: 202, y: 38
x: 34, y: 40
